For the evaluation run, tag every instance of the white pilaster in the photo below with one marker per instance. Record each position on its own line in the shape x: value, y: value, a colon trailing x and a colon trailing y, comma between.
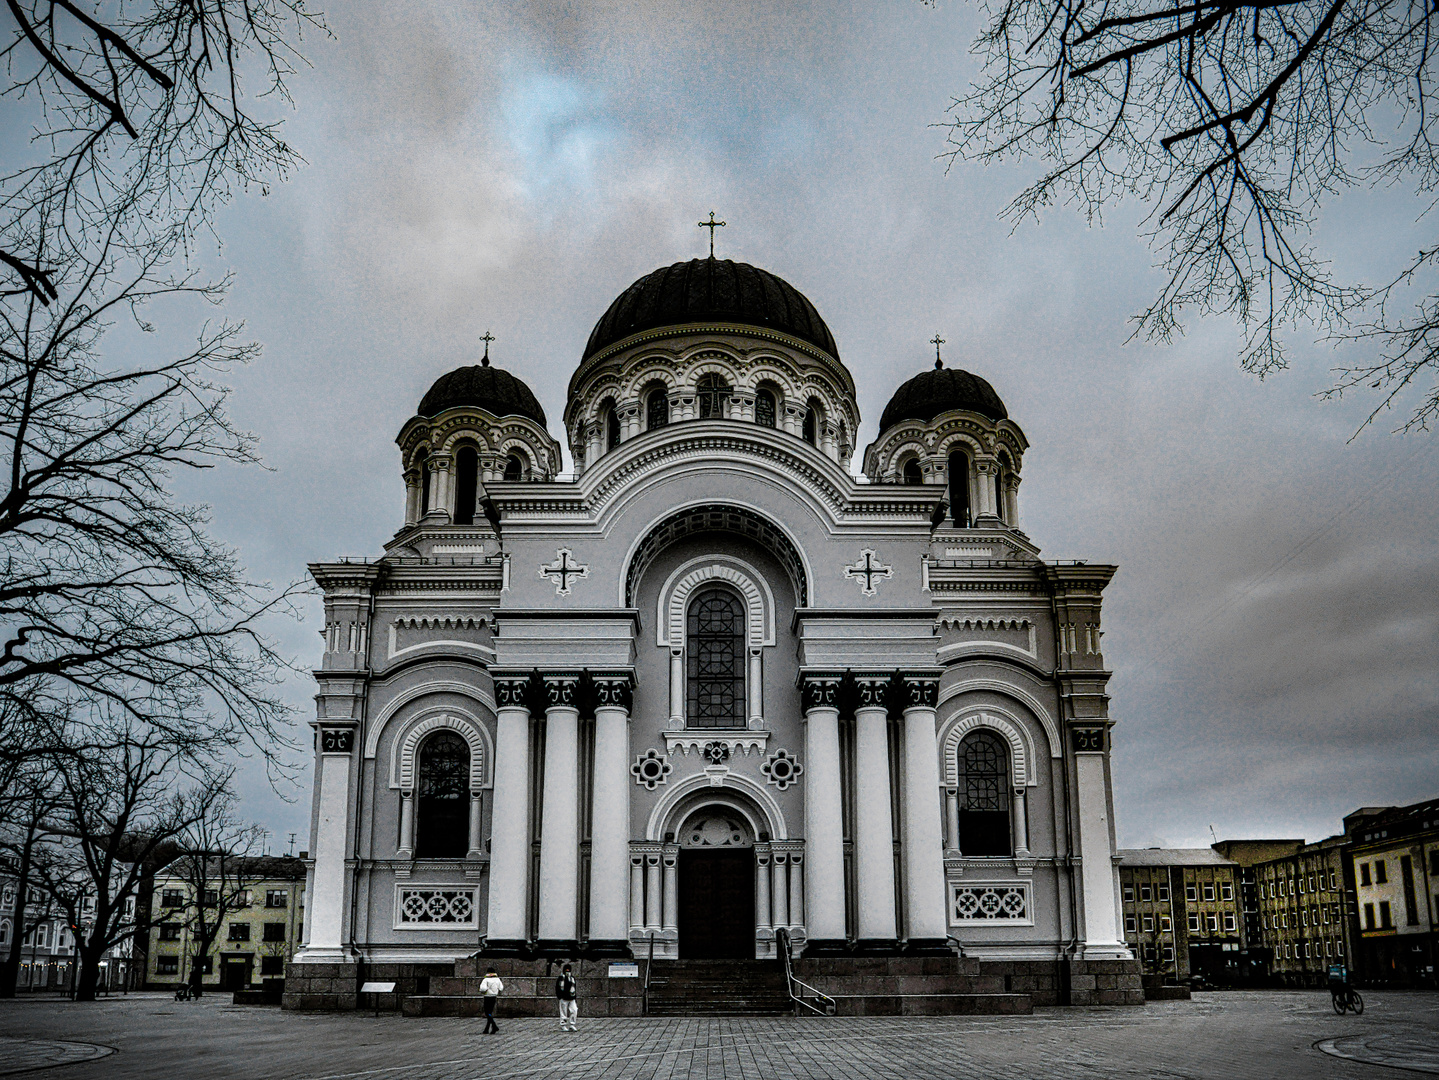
x: 407, y: 826
x: 509, y: 823
x: 779, y: 868
x: 677, y: 689
x: 761, y: 886
x: 653, y: 895
x: 1021, y: 823
x: 326, y: 905
x: 1097, y: 873
x: 874, y: 824
x: 637, y: 894
x: 610, y: 817
x: 823, y: 827
x: 672, y: 892
x: 559, y: 816
x: 477, y: 841
x: 923, y: 835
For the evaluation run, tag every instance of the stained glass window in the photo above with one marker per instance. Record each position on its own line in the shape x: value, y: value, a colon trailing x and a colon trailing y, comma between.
x: 443, y: 795
x: 716, y: 648
x: 712, y: 394
x: 612, y: 428
x: 984, y: 795
x: 959, y: 488
x: 764, y: 408
x: 657, y: 409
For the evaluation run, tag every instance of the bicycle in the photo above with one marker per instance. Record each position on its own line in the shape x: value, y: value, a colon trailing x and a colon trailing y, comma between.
x: 184, y: 993
x: 1346, y: 999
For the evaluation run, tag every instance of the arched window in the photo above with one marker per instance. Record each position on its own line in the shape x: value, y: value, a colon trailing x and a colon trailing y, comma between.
x: 514, y: 468
x: 1001, y: 490
x: 423, y: 464
x: 959, y: 489
x: 443, y: 793
x: 715, y: 644
x: 765, y: 408
x: 912, y: 474
x: 712, y: 395
x: 984, y: 795
x: 810, y: 431
x: 657, y: 408
x: 467, y: 476
x: 612, y: 427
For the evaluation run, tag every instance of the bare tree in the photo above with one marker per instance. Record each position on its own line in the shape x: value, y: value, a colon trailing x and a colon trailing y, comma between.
x: 1232, y: 123
x: 30, y: 799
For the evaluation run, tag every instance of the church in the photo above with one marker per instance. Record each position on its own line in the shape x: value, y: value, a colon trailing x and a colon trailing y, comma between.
x: 716, y: 693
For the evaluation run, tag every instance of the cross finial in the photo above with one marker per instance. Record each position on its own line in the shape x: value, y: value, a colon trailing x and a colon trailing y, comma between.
x: 712, y: 225
x: 937, y: 341
x: 486, y: 337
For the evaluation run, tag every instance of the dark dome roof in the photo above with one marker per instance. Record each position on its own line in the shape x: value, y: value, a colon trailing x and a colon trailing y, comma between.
x: 482, y: 387
x: 711, y: 290
x: 941, y: 390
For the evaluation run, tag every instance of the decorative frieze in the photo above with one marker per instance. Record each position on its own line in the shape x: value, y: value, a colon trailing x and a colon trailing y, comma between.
x: 1006, y: 904
x: 447, y: 907
x: 696, y: 741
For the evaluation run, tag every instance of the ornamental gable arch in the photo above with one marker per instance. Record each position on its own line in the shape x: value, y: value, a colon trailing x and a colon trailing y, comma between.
x: 989, y: 718
x: 749, y: 583
x: 413, y: 733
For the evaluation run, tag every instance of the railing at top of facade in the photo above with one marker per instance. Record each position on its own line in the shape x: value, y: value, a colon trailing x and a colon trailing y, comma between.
x: 823, y: 1004
x: 649, y: 966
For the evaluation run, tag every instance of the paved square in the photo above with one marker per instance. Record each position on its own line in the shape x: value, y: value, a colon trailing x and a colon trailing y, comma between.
x: 1228, y: 1035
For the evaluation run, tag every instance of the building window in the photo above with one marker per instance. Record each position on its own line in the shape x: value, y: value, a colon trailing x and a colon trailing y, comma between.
x: 239, y: 931
x: 1001, y: 481
x: 810, y: 430
x: 171, y: 898
x: 441, y: 793
x: 1212, y: 921
x: 1368, y: 916
x: 169, y: 931
x: 1129, y: 894
x: 657, y: 408
x: 716, y: 656
x: 274, y: 931
x: 1226, y: 891
x: 1129, y: 927
x: 277, y: 897
x: 1148, y: 922
x: 1327, y: 951
x: 1381, y: 872
x: 467, y: 480
x: 984, y: 795
x: 1334, y: 876
x: 206, y: 965
x: 1364, y: 873
x: 1145, y: 892
x: 1411, y: 899
x: 1209, y: 893
x: 1164, y: 894
x: 1194, y: 924
x: 272, y: 965
x: 1168, y: 954
x: 1149, y: 953
x: 911, y: 471
x: 959, y: 489
x: 423, y: 464
x: 712, y: 395
x: 1165, y: 926
x: 1191, y: 893
x: 514, y: 468
x: 167, y: 965
x: 612, y: 427
x: 1229, y: 923
x: 765, y: 408
x: 1386, y: 919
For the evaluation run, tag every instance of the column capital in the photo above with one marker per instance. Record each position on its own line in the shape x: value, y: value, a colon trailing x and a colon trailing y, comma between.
x: 874, y: 689
x: 921, y: 691
x: 512, y: 690
x: 562, y: 690
x: 614, y: 689
x: 336, y: 738
x: 820, y: 691
x: 1089, y: 739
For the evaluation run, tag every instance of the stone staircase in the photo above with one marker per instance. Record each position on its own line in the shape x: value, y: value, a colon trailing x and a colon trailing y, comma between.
x: 718, y: 988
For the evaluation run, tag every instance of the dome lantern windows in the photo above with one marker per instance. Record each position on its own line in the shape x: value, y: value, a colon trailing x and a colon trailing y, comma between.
x: 959, y: 489
x: 765, y: 409
x: 712, y: 395
x: 514, y: 468
x: 911, y: 472
x: 425, y: 484
x: 467, y: 474
x: 612, y: 426
x: 657, y: 408
x: 810, y: 431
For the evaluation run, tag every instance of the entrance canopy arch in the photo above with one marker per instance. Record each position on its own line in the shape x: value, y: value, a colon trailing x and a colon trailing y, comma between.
x: 730, y: 791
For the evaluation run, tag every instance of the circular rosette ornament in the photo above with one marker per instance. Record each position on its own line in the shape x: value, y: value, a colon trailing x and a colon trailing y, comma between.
x: 651, y: 769
x: 781, y: 769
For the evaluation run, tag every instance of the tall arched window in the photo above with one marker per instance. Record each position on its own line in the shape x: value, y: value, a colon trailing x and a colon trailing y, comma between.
x: 715, y: 643
x: 443, y: 793
x: 423, y: 464
x: 612, y: 426
x: 765, y: 407
x: 810, y: 431
x: 1001, y: 490
x: 959, y: 489
x: 657, y: 408
x: 912, y: 474
x: 514, y: 468
x: 984, y: 795
x: 712, y: 395
x: 467, y: 477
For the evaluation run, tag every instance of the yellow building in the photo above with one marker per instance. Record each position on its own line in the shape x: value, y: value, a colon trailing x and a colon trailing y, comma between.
x: 1181, y: 911
x: 258, y: 932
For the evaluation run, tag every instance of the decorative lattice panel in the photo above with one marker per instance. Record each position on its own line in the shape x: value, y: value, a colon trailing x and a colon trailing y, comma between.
x: 990, y: 905
x: 442, y: 906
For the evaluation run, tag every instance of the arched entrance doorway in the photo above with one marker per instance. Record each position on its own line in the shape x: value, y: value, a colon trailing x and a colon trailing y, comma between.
x: 716, y: 907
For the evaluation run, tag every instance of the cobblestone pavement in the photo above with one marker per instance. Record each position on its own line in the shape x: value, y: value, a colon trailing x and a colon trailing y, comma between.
x: 1222, y: 1035
x: 26, y: 1055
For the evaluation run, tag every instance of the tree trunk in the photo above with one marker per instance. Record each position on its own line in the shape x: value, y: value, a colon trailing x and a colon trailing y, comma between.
x: 10, y: 969
x: 89, y: 973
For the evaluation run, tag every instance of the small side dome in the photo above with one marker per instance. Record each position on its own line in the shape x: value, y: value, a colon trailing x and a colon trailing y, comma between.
x: 482, y: 387
x: 942, y: 390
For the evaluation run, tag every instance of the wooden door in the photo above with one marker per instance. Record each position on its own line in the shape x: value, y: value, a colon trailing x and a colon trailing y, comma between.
x: 716, y: 904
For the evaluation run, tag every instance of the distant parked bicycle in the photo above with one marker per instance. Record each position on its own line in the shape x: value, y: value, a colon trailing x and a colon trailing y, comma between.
x: 184, y: 993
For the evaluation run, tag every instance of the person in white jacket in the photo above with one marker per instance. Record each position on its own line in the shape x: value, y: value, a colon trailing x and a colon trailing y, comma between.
x: 491, y: 987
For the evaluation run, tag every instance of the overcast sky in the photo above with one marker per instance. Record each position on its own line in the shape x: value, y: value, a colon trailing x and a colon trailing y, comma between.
x: 514, y: 166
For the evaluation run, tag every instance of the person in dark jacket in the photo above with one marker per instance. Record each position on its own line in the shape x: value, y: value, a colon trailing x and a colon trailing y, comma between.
x: 567, y: 993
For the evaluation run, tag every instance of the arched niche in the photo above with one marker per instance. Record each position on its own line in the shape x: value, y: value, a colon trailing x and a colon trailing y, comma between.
x: 741, y: 576
x: 743, y: 795
x: 1008, y: 728
x: 413, y: 733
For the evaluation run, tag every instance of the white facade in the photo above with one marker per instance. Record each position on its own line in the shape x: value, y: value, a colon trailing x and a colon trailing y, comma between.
x: 713, y: 686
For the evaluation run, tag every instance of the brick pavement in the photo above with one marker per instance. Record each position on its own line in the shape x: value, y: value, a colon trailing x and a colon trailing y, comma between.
x: 1229, y: 1035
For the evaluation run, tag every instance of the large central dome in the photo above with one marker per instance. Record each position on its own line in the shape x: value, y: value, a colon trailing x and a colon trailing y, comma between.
x: 711, y: 290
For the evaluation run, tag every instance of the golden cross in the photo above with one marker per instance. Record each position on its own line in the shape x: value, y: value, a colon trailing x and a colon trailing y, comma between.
x: 937, y: 341
x: 712, y: 225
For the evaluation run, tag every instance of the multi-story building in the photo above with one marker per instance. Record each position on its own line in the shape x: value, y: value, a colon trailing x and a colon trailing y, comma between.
x: 1182, y: 913
x: 1305, y: 912
x: 48, y: 957
x: 1394, y: 855
x: 256, y: 937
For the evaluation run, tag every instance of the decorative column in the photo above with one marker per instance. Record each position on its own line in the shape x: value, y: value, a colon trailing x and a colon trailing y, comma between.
x: 761, y: 890
x: 629, y: 414
x: 924, y: 887
x: 873, y: 823
x: 672, y: 891
x: 985, y: 470
x: 1021, y: 823
x: 507, y: 926
x: 413, y: 510
x: 477, y: 842
x: 796, y: 890
x: 677, y: 688
x: 610, y: 817
x: 637, y: 895
x: 407, y: 826
x: 951, y: 813
x: 779, y: 868
x: 559, y: 817
x: 439, y: 466
x: 326, y: 904
x: 823, y: 824
x: 653, y: 896
x: 756, y: 688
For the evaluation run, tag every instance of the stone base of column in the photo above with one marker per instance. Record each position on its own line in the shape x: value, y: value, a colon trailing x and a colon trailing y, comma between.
x: 506, y: 947
x: 1103, y: 952
x: 928, y: 947
x: 558, y: 947
x: 323, y: 956
x: 826, y: 947
x: 602, y: 950
x: 877, y: 946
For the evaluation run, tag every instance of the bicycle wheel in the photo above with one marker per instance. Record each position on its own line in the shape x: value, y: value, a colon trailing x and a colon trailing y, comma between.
x: 1356, y: 1002
x: 1337, y: 1000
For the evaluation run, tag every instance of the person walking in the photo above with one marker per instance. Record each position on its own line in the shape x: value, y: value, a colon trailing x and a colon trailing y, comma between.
x: 491, y: 986
x: 567, y: 993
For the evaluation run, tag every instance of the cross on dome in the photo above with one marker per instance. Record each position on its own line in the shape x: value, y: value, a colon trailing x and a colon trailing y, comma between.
x: 937, y: 341
x: 486, y: 337
x: 712, y: 225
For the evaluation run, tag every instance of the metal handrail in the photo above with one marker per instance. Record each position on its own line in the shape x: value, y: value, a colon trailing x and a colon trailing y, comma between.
x: 824, y: 1004
x: 649, y: 966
